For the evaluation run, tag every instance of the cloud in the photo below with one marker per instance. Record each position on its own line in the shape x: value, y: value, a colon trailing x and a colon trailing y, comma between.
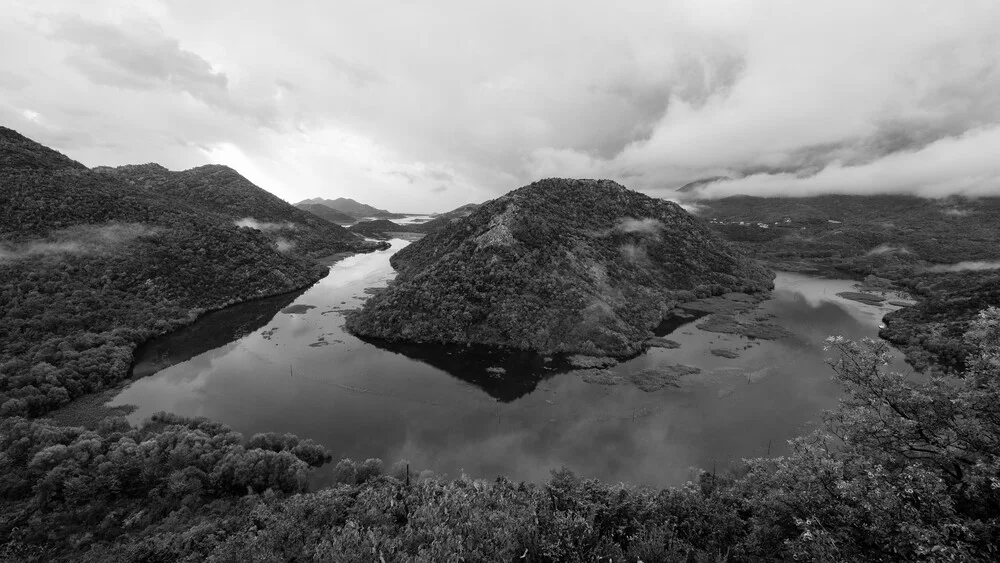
x: 80, y: 239
x: 251, y: 223
x: 887, y: 249
x: 965, y: 266
x: 782, y: 96
x: 138, y: 56
x: 647, y: 226
x: 963, y: 164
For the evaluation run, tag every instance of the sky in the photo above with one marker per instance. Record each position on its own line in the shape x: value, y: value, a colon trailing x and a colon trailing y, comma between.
x: 422, y: 106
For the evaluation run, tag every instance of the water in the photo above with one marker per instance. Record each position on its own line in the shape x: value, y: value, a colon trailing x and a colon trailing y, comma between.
x: 443, y: 410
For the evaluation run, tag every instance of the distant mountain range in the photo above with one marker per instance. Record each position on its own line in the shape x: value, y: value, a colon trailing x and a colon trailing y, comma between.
x: 353, y: 208
x: 328, y: 213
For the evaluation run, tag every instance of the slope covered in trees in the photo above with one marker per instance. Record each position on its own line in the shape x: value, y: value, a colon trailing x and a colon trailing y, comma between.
x: 579, y: 266
x: 94, y: 264
x: 223, y: 191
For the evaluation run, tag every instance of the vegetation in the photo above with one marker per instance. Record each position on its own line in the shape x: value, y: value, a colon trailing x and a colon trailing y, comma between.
x: 96, y: 262
x: 858, y: 234
x: 893, y: 242
x: 575, y: 266
x: 377, y: 229
x: 932, y: 333
x: 903, y: 470
x: 223, y: 191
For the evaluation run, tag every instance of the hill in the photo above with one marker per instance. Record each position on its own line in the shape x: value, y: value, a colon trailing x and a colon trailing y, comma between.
x: 354, y: 208
x: 327, y: 213
x: 18, y: 152
x: 223, y: 191
x: 580, y: 266
x: 95, y: 262
x: 377, y: 229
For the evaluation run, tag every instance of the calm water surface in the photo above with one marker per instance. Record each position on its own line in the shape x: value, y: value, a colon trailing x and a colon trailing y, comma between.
x: 442, y: 410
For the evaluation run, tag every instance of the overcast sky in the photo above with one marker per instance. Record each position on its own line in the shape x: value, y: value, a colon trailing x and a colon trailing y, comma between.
x: 427, y: 105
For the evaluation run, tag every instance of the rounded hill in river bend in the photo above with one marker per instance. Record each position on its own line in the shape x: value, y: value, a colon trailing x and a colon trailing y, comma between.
x: 558, y: 266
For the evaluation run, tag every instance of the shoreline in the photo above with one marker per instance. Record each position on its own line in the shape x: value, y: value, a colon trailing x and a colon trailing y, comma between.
x: 90, y: 409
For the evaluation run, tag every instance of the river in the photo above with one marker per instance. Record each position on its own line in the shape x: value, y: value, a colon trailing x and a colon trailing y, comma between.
x: 443, y: 411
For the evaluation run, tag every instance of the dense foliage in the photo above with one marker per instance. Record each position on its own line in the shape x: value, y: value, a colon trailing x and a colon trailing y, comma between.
x: 223, y: 191
x: 860, y: 234
x: 903, y: 470
x: 92, y: 265
x: 64, y: 488
x: 557, y: 266
x: 932, y: 333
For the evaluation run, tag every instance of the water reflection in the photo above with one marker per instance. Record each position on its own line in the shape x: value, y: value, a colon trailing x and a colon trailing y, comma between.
x: 302, y: 373
x: 505, y: 376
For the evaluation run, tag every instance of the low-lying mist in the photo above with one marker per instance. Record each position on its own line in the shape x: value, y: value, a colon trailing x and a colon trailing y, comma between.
x: 970, y: 265
x: 264, y: 225
x: 79, y: 239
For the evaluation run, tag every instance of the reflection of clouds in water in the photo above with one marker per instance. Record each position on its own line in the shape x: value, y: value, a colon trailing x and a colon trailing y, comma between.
x: 362, y: 401
x: 817, y: 291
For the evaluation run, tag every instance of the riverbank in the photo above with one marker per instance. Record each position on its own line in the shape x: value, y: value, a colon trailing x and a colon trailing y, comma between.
x: 232, y: 319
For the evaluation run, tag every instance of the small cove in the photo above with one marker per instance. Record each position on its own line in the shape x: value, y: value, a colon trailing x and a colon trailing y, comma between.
x: 445, y: 411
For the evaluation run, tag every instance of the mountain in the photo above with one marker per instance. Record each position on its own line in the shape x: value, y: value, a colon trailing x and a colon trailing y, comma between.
x: 377, y: 229
x: 95, y: 262
x: 221, y: 190
x: 18, y: 152
x: 327, y: 213
x: 575, y: 266
x: 354, y: 208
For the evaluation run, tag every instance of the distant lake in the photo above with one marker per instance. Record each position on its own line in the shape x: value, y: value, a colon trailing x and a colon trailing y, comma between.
x: 441, y: 409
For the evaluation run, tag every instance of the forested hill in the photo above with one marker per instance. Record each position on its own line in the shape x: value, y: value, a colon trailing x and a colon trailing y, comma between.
x: 222, y: 190
x: 93, y: 265
x: 18, y: 152
x: 581, y: 266
x: 328, y: 213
